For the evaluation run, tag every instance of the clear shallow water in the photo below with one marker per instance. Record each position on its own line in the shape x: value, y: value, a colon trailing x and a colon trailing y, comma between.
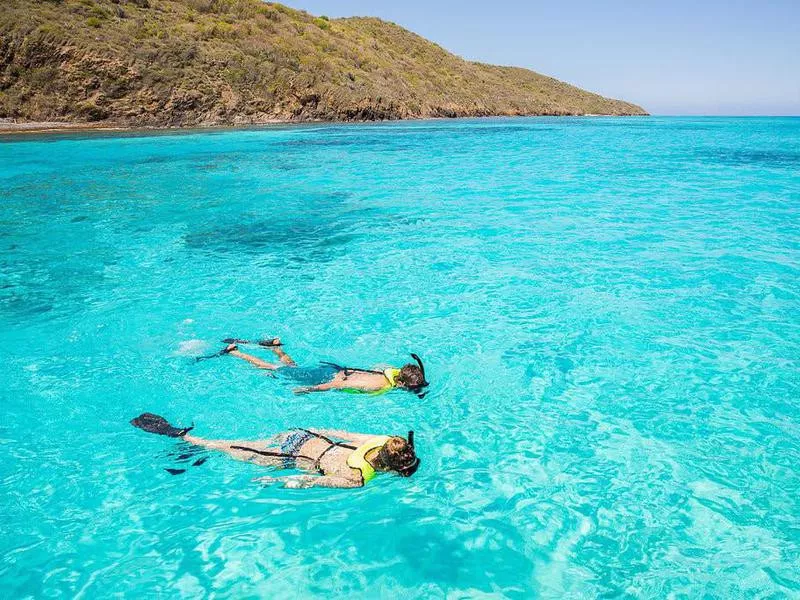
x: 609, y: 310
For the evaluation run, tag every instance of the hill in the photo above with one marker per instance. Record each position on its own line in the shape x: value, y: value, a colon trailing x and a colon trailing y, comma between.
x: 207, y: 62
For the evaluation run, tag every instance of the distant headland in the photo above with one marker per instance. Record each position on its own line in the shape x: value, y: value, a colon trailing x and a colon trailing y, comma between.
x: 188, y: 63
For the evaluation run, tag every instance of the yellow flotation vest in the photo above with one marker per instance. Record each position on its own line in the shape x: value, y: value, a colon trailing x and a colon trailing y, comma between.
x: 391, y: 382
x: 391, y: 375
x: 358, y: 461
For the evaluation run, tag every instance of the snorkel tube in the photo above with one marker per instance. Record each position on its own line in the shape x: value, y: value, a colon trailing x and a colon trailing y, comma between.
x: 411, y: 468
x: 417, y: 389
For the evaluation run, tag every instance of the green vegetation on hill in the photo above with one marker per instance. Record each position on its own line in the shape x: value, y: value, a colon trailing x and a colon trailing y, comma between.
x: 203, y: 62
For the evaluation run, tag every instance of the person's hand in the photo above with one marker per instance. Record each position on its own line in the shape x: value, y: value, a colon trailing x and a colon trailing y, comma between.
x: 296, y: 482
x: 266, y: 480
x: 301, y: 390
x: 293, y: 482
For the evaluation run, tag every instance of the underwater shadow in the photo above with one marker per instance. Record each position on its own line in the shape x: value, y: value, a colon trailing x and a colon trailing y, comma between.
x: 780, y: 159
x: 319, y: 230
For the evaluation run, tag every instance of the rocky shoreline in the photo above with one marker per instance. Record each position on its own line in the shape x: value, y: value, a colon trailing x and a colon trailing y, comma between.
x: 9, y: 126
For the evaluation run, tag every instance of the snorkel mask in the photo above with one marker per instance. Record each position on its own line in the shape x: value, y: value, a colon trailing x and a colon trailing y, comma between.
x: 417, y: 389
x: 411, y: 468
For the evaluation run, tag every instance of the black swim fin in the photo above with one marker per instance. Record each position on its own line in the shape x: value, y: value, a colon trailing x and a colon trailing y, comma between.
x: 222, y: 352
x: 156, y: 424
x: 268, y: 343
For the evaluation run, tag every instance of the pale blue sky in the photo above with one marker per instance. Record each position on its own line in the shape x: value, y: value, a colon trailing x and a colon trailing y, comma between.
x: 671, y: 56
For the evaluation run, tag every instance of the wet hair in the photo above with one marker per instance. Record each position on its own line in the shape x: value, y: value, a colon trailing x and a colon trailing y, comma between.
x: 397, y: 454
x: 411, y: 376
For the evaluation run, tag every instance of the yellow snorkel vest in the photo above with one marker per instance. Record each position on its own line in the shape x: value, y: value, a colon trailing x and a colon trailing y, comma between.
x: 391, y: 376
x: 358, y: 461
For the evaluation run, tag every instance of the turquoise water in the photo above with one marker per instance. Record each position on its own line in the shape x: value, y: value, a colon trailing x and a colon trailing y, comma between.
x: 609, y: 310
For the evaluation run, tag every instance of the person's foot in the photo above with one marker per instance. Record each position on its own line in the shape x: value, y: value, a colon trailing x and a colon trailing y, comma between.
x: 275, y: 344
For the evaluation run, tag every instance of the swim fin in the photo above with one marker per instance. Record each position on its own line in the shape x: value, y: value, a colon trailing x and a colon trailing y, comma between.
x: 222, y: 352
x: 156, y: 424
x: 268, y: 343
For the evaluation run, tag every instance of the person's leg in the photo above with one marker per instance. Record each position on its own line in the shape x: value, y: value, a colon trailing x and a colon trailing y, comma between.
x: 233, y: 448
x: 282, y: 356
x: 245, y: 450
x: 233, y: 350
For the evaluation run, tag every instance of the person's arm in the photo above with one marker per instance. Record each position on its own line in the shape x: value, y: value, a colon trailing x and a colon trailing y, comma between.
x: 307, y: 481
x: 322, y: 387
x: 254, y: 360
x: 340, y: 384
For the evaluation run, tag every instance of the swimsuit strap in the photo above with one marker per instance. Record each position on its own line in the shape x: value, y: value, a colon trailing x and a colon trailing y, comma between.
x: 327, y: 439
x: 315, y: 461
x: 268, y: 453
x: 352, y: 369
x: 319, y: 458
x: 328, y: 449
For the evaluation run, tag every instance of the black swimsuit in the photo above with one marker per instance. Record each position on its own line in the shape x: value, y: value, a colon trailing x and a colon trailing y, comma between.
x: 293, y: 443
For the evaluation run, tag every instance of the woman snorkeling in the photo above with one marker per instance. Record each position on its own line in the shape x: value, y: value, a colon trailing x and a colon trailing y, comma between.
x: 348, y: 463
x: 330, y: 376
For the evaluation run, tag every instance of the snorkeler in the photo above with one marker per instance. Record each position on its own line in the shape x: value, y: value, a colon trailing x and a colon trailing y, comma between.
x: 348, y: 463
x: 330, y: 376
